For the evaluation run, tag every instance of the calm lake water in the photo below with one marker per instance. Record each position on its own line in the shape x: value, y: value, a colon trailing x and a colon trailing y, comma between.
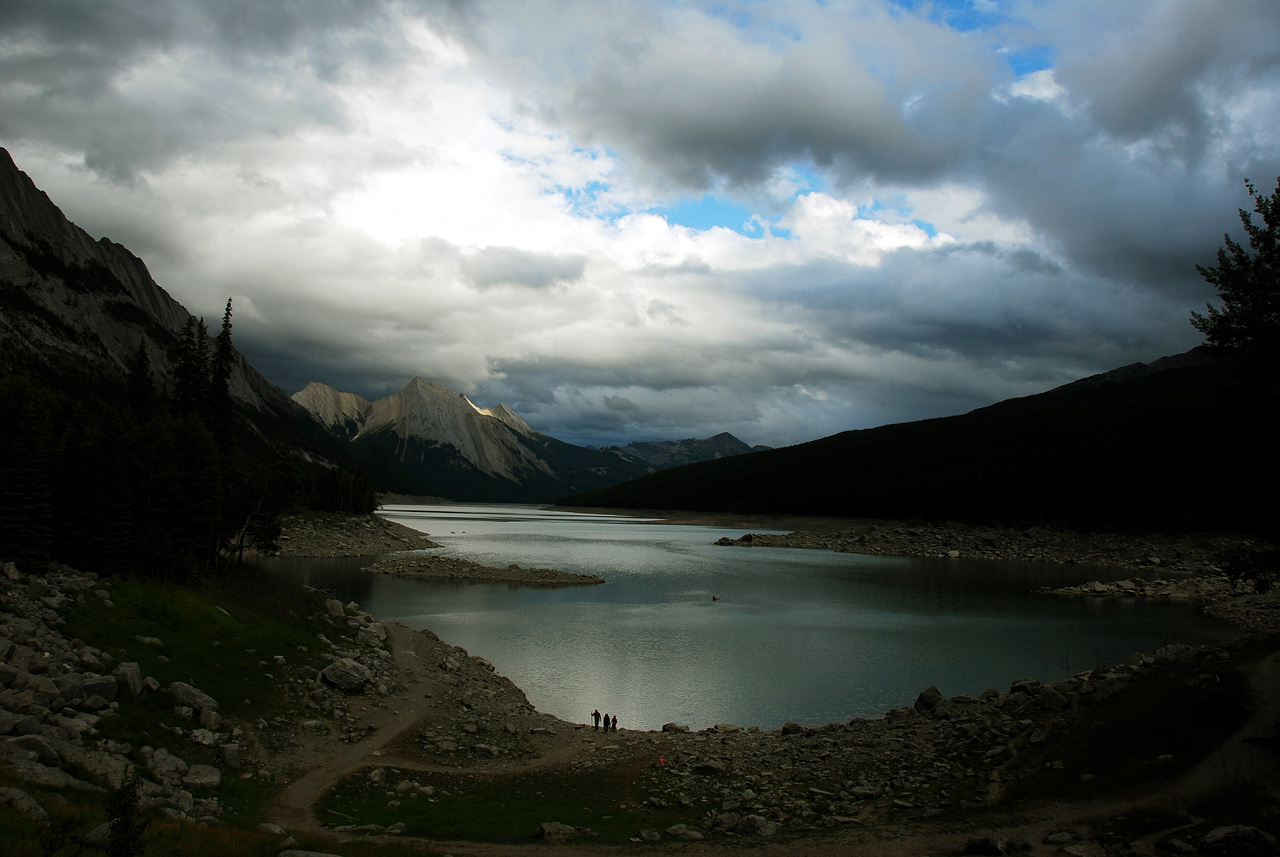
x: 800, y: 635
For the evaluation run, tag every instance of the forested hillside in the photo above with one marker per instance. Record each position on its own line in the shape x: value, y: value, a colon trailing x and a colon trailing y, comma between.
x: 1182, y: 447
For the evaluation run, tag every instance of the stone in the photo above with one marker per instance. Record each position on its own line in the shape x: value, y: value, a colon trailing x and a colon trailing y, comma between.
x: 1238, y: 840
x: 38, y: 747
x: 928, y: 699
x: 129, y: 676
x: 167, y: 766
x: 792, y: 728
x: 202, y: 777
x: 991, y: 846
x: 554, y: 831
x: 25, y: 804
x: 646, y: 835
x: 347, y: 675
x: 333, y: 607
x: 104, y: 686
x: 756, y: 825
x: 684, y: 831
x: 366, y: 637
x: 210, y: 719
x: 191, y: 697
x: 229, y: 755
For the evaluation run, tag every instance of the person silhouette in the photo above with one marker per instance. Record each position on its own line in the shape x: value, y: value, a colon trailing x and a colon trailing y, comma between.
x: 595, y: 719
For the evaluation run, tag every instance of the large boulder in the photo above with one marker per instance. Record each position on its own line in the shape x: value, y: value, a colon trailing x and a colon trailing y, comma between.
x: 347, y: 675
x: 202, y: 777
x: 928, y: 699
x: 190, y: 697
x: 129, y: 675
x: 1238, y: 840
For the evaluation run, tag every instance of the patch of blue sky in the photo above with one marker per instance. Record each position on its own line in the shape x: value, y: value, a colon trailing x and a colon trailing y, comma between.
x: 584, y: 199
x: 961, y: 15
x: 1029, y: 59
x: 709, y: 211
x: 928, y: 228
x: 898, y: 210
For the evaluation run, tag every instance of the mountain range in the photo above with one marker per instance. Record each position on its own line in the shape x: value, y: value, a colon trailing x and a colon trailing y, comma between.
x: 466, y: 452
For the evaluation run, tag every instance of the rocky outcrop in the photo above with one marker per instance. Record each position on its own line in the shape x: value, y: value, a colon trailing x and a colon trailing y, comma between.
x: 318, y: 534
x: 453, y: 568
x: 1153, y: 551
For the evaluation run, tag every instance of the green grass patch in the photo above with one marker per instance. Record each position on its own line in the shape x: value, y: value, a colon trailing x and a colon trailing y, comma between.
x: 508, y: 807
x: 219, y: 639
x: 222, y: 637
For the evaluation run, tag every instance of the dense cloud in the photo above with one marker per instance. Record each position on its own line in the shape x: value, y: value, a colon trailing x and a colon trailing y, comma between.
x: 649, y: 221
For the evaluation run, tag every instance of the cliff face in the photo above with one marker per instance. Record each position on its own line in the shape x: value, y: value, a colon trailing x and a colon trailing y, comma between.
x: 73, y: 305
x: 342, y: 413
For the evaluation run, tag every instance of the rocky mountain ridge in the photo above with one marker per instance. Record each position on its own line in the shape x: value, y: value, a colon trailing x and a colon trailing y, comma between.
x: 467, y: 452
x: 73, y: 305
x: 660, y: 455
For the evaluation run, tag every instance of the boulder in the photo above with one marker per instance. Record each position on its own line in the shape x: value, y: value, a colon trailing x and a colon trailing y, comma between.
x: 129, y: 676
x: 190, y: 697
x: 333, y: 607
x: 202, y: 777
x: 554, y: 831
x: 684, y: 831
x: 104, y: 686
x: 347, y: 675
x: 928, y: 699
x: 167, y: 766
x: 38, y: 747
x: 1238, y: 840
x: 756, y: 825
x: 25, y: 804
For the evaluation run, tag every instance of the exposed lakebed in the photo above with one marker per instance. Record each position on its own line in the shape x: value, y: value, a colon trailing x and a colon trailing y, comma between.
x: 799, y: 635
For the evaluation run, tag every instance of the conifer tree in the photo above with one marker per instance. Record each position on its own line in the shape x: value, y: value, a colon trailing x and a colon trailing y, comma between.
x: 141, y: 385
x: 1247, y: 328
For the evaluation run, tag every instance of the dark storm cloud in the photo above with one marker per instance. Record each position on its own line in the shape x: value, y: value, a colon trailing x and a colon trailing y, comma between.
x: 115, y: 79
x: 703, y: 102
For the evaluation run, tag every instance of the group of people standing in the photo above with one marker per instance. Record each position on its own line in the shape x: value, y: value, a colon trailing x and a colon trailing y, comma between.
x: 608, y: 724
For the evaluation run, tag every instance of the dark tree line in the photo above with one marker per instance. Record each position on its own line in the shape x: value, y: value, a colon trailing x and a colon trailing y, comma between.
x: 158, y: 475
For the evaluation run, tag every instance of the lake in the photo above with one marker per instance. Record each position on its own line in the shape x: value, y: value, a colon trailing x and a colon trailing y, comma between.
x: 802, y: 635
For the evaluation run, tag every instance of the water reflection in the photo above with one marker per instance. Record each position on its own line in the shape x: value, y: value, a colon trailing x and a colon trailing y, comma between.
x: 800, y: 635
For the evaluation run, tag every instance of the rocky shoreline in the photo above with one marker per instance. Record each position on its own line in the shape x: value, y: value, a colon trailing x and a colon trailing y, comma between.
x: 440, y: 709
x: 1193, y: 560
x: 452, y: 568
x: 1167, y: 553
x: 319, y: 534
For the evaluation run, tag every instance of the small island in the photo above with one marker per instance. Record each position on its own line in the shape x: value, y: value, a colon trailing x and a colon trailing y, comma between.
x: 452, y: 568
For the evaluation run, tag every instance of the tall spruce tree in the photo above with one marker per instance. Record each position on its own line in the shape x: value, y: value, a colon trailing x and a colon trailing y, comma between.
x: 1247, y: 328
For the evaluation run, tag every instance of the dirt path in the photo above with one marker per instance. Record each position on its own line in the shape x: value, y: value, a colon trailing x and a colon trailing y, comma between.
x: 292, y: 809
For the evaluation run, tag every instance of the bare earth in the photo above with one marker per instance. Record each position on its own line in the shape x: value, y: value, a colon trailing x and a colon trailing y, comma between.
x: 434, y: 701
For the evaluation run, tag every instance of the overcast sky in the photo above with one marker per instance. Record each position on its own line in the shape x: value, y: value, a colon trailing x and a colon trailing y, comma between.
x: 652, y: 220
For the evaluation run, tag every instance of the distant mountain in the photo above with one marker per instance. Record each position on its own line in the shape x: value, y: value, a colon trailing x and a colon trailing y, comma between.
x: 464, y: 452
x: 1175, y: 444
x: 660, y: 455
